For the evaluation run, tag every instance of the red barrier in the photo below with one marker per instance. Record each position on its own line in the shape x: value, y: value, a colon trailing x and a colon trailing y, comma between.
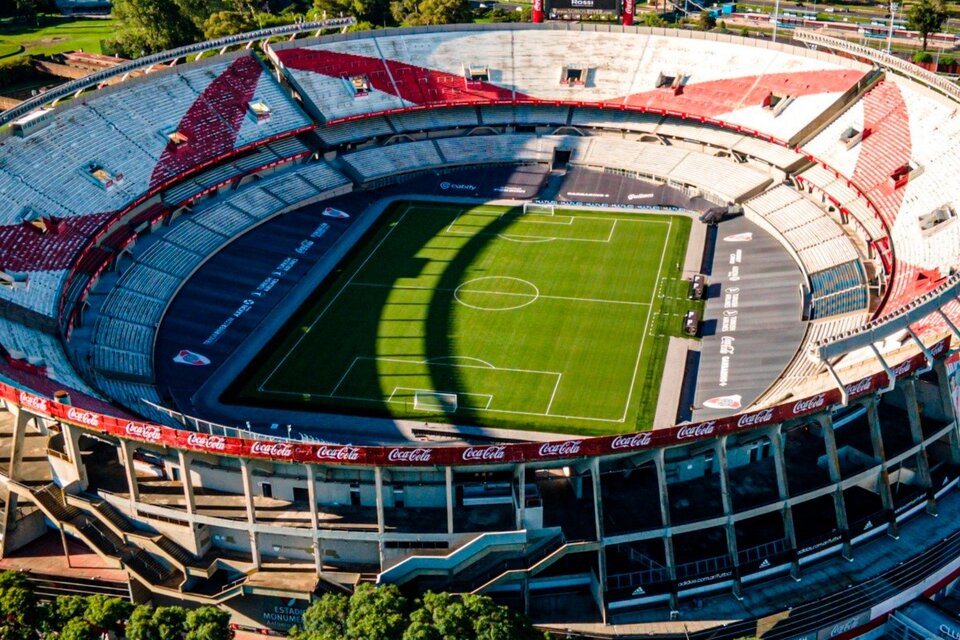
x: 406, y: 456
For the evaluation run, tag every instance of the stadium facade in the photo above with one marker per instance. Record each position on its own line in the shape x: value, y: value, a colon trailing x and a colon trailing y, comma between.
x: 814, y: 508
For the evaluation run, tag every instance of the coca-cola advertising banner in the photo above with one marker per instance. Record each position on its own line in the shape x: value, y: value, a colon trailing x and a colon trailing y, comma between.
x: 284, y: 451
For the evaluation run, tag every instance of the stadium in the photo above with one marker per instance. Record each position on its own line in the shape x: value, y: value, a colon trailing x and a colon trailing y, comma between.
x: 644, y: 332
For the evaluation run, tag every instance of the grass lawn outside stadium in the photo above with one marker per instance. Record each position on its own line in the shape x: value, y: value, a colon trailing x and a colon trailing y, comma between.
x: 484, y: 315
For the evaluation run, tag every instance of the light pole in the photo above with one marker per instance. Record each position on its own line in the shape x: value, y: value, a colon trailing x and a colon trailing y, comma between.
x: 893, y: 11
x: 776, y: 19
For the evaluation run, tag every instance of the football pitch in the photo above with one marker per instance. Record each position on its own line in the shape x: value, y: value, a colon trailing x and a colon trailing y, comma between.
x: 483, y: 315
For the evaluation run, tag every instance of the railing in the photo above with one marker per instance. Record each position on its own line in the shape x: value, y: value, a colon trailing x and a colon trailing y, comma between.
x: 100, y: 77
x: 408, y: 568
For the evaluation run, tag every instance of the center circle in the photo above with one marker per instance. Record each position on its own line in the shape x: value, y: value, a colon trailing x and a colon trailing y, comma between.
x: 496, y: 293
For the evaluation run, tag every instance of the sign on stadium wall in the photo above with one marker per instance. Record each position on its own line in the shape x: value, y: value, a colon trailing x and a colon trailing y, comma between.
x: 283, y: 451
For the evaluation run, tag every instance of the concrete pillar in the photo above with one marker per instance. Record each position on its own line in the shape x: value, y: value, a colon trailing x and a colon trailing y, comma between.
x: 909, y: 388
x: 720, y: 450
x: 126, y: 452
x: 520, y: 476
x: 598, y: 522
x: 378, y: 488
x: 669, y: 559
x: 946, y: 403
x: 18, y: 442
x: 448, y: 480
x: 825, y: 421
x: 186, y: 479
x: 247, y: 480
x: 783, y: 491
x: 314, y: 517
x: 71, y: 446
x: 883, y: 477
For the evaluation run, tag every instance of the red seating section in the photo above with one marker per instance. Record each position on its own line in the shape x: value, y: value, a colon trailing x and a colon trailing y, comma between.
x: 212, y: 122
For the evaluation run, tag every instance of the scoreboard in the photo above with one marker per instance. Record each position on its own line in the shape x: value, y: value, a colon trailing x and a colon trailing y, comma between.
x: 558, y: 9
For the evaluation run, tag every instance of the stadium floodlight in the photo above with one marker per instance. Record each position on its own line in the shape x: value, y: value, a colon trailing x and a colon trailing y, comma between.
x: 893, y: 11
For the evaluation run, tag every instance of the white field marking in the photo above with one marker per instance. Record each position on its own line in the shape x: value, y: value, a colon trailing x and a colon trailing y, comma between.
x: 542, y: 296
x: 530, y: 297
x: 554, y: 394
x: 524, y: 216
x: 516, y: 237
x: 334, y: 299
x: 646, y: 324
x: 440, y: 359
x: 343, y: 377
x: 457, y: 394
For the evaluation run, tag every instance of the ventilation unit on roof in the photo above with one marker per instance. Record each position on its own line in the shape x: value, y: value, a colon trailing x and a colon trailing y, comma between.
x: 259, y: 109
x: 673, y: 82
x: 101, y: 176
x: 36, y: 221
x: 852, y: 137
x: 777, y: 102
x: 176, y: 139
x: 358, y: 86
x: 905, y: 173
x: 574, y: 76
x: 32, y: 122
x: 934, y: 221
x: 476, y: 75
x: 12, y: 279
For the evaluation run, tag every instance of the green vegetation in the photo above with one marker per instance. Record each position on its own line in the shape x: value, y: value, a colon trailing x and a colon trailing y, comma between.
x: 926, y: 16
x: 54, y: 34
x: 23, y: 617
x: 488, y: 316
x: 382, y: 613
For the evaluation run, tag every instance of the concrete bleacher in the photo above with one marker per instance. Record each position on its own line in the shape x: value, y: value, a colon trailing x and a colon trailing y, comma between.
x: 817, y: 242
x: 41, y: 350
x: 124, y: 333
x: 434, y: 119
x: 618, y: 69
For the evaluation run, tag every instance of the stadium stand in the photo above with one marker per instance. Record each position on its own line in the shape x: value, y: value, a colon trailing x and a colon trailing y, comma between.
x: 102, y: 210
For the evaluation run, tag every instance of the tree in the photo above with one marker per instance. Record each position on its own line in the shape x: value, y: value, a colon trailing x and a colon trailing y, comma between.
x: 18, y: 606
x: 376, y: 12
x: 376, y: 613
x: 227, y: 23
x: 926, y: 16
x: 141, y: 626
x: 706, y: 22
x: 62, y: 610
x: 324, y: 619
x: 170, y: 622
x: 104, y: 612
x: 78, y: 629
x: 208, y: 623
x: 426, y: 12
x: 653, y: 19
x: 148, y: 26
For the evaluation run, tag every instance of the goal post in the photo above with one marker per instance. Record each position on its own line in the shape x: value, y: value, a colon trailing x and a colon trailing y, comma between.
x: 435, y: 401
x: 539, y: 208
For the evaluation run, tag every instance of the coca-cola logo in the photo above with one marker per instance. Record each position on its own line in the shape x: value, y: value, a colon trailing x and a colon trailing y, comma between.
x: 338, y: 453
x: 859, y: 387
x: 844, y: 627
x: 272, y: 449
x: 810, y: 404
x: 148, y: 432
x: 696, y: 430
x: 83, y: 417
x: 754, y: 419
x: 632, y: 441
x: 492, y: 453
x: 902, y: 368
x: 29, y: 401
x: 409, y: 455
x: 561, y: 449
x: 208, y: 442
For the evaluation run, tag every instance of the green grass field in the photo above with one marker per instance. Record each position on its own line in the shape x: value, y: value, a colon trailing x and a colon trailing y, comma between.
x: 55, y: 34
x: 488, y: 316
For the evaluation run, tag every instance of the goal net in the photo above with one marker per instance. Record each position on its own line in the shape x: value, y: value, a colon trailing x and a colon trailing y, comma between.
x: 538, y: 208
x: 434, y: 401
